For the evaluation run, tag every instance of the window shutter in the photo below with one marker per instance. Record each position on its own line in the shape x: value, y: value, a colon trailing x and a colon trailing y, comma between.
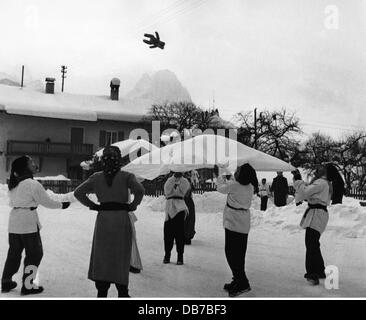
x: 102, y: 138
x: 121, y: 136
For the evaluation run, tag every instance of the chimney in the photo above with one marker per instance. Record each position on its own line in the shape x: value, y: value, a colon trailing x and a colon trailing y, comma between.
x: 50, y: 85
x: 115, y: 83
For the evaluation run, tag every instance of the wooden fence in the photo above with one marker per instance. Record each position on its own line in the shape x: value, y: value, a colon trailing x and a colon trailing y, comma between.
x: 359, y: 194
x: 156, y: 189
x: 60, y: 186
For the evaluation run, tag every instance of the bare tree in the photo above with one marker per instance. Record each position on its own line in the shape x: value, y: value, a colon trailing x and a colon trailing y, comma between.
x: 347, y: 154
x: 183, y: 115
x: 352, y: 159
x: 275, y: 132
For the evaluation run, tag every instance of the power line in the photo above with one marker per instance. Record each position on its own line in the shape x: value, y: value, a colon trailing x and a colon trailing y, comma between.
x: 320, y: 124
x: 173, y: 15
x: 184, y: 11
x: 160, y: 13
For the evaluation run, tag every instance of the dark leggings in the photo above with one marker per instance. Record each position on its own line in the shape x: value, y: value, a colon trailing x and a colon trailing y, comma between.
x: 174, y: 230
x: 235, y: 250
x: 32, y: 245
x: 314, y: 262
x: 103, y: 287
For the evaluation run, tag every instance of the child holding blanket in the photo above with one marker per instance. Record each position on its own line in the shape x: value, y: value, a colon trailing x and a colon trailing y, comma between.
x: 176, y: 210
x: 314, y: 220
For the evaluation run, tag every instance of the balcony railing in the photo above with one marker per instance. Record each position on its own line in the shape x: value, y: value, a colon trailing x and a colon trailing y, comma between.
x: 53, y: 149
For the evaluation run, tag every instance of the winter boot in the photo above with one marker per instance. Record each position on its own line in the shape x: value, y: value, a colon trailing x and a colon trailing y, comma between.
x: 122, y: 291
x: 237, y: 289
x: 24, y: 291
x: 8, y: 286
x: 227, y: 286
x: 313, y: 279
x: 102, y: 294
x: 180, y: 259
x: 166, y: 258
x: 134, y: 270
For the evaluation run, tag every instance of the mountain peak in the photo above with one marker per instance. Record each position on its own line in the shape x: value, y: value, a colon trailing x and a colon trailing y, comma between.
x: 162, y: 86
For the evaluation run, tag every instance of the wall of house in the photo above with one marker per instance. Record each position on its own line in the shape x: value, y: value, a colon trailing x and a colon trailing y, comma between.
x: 26, y: 128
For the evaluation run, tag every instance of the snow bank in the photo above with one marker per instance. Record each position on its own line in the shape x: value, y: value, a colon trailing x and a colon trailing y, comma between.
x: 59, y: 177
x: 346, y: 220
x: 66, y: 197
x: 4, y: 193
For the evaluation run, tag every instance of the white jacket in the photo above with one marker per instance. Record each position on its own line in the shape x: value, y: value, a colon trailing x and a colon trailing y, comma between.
x: 239, y: 197
x: 315, y: 193
x: 174, y: 206
x: 264, y: 190
x: 28, y: 193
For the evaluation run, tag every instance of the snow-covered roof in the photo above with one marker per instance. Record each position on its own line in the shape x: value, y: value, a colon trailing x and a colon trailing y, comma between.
x: 23, y: 101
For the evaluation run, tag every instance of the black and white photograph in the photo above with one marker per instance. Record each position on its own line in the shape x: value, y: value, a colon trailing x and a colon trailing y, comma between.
x: 182, y: 149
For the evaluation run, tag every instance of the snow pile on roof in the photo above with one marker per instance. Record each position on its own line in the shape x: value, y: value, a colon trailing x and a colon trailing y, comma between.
x: 24, y: 101
x: 346, y: 220
x: 129, y: 146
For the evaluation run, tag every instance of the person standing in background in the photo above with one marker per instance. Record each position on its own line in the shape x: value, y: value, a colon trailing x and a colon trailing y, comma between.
x: 279, y: 188
x: 175, y: 189
x: 264, y: 193
x: 189, y: 223
x: 337, y: 183
x: 194, y: 178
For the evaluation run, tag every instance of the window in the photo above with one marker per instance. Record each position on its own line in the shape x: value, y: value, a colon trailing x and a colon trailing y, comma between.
x: 108, y: 137
x: 111, y: 137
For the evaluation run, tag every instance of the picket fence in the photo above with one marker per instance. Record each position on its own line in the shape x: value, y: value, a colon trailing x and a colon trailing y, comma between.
x: 156, y: 189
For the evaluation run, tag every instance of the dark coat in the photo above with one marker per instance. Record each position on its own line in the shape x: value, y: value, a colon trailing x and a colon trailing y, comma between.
x: 338, y: 191
x: 189, y: 223
x: 112, y: 241
x: 279, y: 188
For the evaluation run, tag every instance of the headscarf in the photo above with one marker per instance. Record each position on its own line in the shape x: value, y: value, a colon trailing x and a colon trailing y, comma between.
x: 111, y: 163
x: 19, y: 171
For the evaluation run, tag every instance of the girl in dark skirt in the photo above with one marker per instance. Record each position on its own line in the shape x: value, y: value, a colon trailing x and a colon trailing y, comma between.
x: 112, y: 242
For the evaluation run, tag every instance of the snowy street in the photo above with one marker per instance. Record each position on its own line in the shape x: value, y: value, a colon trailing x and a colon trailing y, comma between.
x: 274, y: 263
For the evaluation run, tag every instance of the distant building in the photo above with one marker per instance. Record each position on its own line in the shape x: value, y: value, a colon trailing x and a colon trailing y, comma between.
x: 59, y: 130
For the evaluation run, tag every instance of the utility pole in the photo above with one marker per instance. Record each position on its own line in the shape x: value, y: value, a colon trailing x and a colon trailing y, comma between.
x: 255, y: 128
x: 63, y: 71
x: 22, y: 83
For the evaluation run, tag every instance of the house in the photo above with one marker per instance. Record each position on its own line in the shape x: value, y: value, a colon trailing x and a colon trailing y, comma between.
x: 59, y: 130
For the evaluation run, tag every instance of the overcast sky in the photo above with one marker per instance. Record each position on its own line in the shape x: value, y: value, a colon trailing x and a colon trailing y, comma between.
x: 264, y: 54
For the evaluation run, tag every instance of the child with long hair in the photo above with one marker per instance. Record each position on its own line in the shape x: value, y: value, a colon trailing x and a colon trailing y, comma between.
x: 25, y: 195
x: 236, y: 222
x: 314, y: 220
